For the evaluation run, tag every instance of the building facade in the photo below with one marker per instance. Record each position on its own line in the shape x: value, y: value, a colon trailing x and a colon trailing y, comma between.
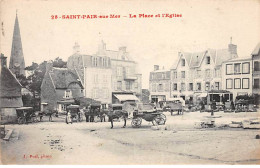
x: 194, y: 74
x: 108, y: 76
x: 237, y: 76
x: 60, y: 87
x: 10, y: 93
x: 256, y: 71
x: 95, y: 73
x: 159, y: 84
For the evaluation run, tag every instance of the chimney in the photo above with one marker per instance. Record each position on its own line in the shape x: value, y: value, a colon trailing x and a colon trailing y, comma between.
x: 3, y: 60
x: 121, y: 52
x: 232, y: 48
x: 101, y: 48
x: 156, y: 67
x: 49, y: 66
x: 76, y: 48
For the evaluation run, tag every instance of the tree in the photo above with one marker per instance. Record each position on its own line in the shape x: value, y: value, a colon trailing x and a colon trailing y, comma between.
x: 33, y: 82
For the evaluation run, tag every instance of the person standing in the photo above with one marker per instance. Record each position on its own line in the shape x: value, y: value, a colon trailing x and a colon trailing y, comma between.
x: 69, y: 120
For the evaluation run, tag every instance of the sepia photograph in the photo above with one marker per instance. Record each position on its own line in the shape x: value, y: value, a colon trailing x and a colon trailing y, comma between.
x: 130, y: 82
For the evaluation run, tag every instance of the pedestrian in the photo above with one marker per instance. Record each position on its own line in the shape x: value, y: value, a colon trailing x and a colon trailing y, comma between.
x: 68, y: 118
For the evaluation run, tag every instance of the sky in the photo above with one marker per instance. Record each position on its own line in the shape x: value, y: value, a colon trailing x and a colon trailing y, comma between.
x: 150, y: 41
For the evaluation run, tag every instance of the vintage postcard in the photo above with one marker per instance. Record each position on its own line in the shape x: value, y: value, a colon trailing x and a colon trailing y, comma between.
x: 160, y: 82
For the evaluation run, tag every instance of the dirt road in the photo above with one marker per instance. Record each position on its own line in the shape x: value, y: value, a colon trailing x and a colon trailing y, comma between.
x: 95, y: 143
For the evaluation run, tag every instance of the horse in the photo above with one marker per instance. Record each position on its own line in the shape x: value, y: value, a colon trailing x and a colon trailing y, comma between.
x: 116, y: 114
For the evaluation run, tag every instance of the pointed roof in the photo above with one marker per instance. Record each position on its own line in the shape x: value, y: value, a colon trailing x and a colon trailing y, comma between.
x: 62, y: 78
x: 17, y: 64
x: 256, y: 50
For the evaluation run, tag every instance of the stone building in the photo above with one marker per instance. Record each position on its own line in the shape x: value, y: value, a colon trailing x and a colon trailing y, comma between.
x: 159, y: 84
x: 16, y: 64
x: 94, y: 72
x: 108, y: 76
x: 10, y: 93
x: 59, y: 88
x: 256, y: 70
x: 194, y: 74
x: 237, y: 76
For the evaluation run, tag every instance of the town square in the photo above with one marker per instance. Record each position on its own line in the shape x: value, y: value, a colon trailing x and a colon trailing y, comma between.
x: 95, y: 84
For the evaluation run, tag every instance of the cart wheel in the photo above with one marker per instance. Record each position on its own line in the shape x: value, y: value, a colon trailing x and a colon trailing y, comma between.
x: 163, y: 116
x: 20, y: 121
x: 136, y: 122
x: 158, y: 120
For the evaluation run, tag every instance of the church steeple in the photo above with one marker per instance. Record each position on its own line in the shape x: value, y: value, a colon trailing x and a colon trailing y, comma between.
x: 16, y: 64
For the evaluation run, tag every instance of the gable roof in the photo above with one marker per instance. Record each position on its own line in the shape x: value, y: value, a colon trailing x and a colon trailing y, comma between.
x: 9, y: 85
x: 62, y: 78
x: 256, y: 50
x: 195, y: 59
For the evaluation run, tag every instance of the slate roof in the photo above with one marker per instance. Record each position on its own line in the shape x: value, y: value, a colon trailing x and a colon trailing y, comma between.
x: 115, y: 55
x: 62, y: 78
x: 9, y: 85
x: 256, y: 50
x: 195, y: 59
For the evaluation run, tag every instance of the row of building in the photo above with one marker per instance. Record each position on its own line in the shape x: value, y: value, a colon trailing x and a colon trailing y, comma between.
x: 196, y: 74
x: 107, y: 76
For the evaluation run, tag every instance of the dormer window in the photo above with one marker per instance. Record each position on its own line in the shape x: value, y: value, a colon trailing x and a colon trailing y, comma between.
x: 208, y: 60
x: 68, y: 94
x: 182, y: 62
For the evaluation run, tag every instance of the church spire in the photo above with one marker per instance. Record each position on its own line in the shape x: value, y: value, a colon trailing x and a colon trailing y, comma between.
x: 16, y: 64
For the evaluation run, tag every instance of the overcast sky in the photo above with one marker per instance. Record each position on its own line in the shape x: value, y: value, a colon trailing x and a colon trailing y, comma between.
x: 204, y: 24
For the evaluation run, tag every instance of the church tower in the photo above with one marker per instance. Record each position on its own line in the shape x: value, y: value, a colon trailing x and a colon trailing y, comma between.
x: 16, y: 64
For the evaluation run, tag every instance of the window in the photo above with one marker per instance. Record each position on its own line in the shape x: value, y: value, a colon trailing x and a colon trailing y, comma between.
x: 95, y: 78
x: 153, y: 87
x: 127, y: 70
x: 183, y: 87
x: 95, y: 93
x: 245, y: 68
x: 198, y: 73
x: 207, y: 73
x: 208, y: 60
x: 166, y: 89
x: 63, y: 107
x: 104, y: 78
x: 136, y: 85
x: 160, y: 87
x: 256, y: 66
x: 229, y: 83
x: 105, y: 93
x: 119, y: 71
x: 245, y: 83
x: 190, y: 86
x: 199, y: 86
x: 128, y: 85
x: 182, y: 74
x: 119, y: 85
x: 68, y: 94
x: 237, y: 83
x: 207, y: 86
x: 237, y: 68
x: 229, y: 70
x: 217, y: 85
x: 175, y: 86
x: 256, y: 83
x: 174, y: 75
x: 182, y: 62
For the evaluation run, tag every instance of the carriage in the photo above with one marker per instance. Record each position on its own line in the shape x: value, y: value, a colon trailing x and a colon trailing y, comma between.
x: 173, y: 104
x: 94, y: 110
x: 25, y: 115
x: 75, y: 113
x: 149, y: 113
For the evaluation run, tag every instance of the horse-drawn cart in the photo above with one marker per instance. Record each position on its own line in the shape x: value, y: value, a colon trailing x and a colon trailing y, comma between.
x: 148, y: 113
x: 75, y: 113
x: 25, y: 115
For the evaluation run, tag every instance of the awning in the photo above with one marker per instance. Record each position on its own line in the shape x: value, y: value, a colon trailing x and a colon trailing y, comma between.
x: 203, y: 95
x: 69, y: 101
x: 125, y: 97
